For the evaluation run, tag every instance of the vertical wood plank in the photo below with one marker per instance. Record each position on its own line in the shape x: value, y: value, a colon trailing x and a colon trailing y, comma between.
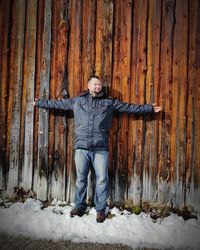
x: 114, y: 183
x: 138, y: 72
x: 14, y: 109
x: 52, y: 93
x: 5, y: 14
x: 88, y: 42
x: 104, y: 32
x: 122, y: 78
x: 126, y: 8
x: 152, y: 96
x: 59, y: 164
x: 132, y: 119
x: 75, y: 85
x: 196, y: 200
x: 29, y: 82
x: 140, y: 89
x: 164, y: 160
x: 183, y: 8
x: 2, y: 100
x: 42, y: 164
x: 192, y: 189
x: 179, y: 102
x: 75, y: 48
x: 39, y: 38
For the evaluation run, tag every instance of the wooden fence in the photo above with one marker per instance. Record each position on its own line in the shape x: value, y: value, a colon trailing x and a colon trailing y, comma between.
x: 145, y: 51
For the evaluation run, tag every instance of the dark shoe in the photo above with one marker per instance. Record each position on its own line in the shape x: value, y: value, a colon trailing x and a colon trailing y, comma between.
x: 77, y: 212
x: 101, y: 216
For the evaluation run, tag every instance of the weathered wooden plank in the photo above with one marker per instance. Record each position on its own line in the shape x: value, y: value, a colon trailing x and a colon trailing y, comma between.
x: 196, y: 169
x: 138, y: 72
x: 10, y: 89
x: 2, y: 140
x: 174, y: 115
x: 192, y: 192
x: 104, y: 31
x: 152, y: 95
x: 88, y: 40
x: 17, y: 50
x: 75, y: 53
x: 178, y: 104
x: 132, y: 119
x: 140, y: 89
x: 74, y: 85
x: 182, y: 10
x: 29, y: 82
x: 121, y: 77
x: 40, y: 27
x: 5, y: 14
x: 125, y: 59
x: 146, y: 185
x: 52, y: 92
x: 42, y: 164
x: 164, y: 163
x: 193, y: 173
x: 157, y: 90
x: 59, y: 164
x: 114, y: 183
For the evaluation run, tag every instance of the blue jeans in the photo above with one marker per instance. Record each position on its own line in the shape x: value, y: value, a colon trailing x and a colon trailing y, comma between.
x: 99, y: 160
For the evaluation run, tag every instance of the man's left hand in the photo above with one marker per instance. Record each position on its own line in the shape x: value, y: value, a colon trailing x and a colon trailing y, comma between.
x: 156, y: 108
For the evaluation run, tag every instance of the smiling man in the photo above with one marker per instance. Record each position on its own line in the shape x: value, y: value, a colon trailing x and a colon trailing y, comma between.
x: 93, y: 115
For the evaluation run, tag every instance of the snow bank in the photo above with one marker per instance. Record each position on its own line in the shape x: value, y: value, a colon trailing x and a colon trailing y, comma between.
x: 54, y: 222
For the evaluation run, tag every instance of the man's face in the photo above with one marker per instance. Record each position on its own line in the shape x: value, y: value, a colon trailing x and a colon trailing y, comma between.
x: 94, y: 86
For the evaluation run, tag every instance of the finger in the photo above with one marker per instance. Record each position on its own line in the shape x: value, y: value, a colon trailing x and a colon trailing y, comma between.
x: 158, y: 109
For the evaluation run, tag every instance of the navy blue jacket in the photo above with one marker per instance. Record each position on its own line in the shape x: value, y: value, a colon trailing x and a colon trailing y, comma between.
x: 93, y: 116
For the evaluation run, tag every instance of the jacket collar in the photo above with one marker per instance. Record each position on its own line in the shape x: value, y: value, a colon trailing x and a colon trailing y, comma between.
x: 86, y: 92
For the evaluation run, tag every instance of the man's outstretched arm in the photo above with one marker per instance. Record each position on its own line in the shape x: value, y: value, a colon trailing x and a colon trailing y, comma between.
x: 135, y: 108
x: 62, y: 104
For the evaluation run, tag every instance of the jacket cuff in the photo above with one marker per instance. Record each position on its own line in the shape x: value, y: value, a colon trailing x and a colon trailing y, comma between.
x: 152, y: 109
x: 37, y: 103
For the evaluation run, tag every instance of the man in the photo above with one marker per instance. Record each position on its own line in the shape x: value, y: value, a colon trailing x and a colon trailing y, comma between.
x: 93, y: 115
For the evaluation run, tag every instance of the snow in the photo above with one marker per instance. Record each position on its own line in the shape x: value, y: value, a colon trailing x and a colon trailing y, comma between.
x: 54, y: 222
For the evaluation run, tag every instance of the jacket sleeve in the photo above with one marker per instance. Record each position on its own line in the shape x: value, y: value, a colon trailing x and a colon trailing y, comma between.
x: 132, y: 108
x: 62, y: 104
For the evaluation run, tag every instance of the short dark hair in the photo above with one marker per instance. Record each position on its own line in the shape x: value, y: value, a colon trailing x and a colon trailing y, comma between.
x: 93, y: 76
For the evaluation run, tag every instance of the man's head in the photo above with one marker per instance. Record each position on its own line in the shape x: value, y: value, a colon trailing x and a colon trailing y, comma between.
x: 94, y: 85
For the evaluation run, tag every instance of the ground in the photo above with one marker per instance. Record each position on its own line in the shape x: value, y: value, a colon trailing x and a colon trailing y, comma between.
x: 24, y: 243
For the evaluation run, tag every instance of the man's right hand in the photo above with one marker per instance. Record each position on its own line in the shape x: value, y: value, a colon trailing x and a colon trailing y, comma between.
x: 156, y: 108
x: 34, y: 101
